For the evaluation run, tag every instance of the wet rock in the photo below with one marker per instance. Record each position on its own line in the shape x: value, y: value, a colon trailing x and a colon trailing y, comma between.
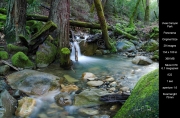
x: 98, y: 52
x: 25, y: 107
x: 109, y: 79
x: 89, y: 97
x: 69, y: 88
x: 113, y: 108
x: 42, y: 115
x: 3, y: 85
x: 112, y: 89
x: 4, y: 70
x: 88, y: 111
x: 142, y: 60
x: 63, y: 99
x: 94, y: 83
x: 7, y: 105
x: 113, y: 84
x: 33, y: 82
x: 124, y: 89
x: 87, y: 75
x: 70, y: 79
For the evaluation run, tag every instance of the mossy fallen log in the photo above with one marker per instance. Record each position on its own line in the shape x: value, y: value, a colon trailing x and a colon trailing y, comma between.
x: 39, y: 37
x: 127, y: 35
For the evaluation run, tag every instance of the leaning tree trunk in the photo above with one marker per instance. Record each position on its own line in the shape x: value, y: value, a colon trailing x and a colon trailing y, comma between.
x: 102, y: 21
x: 59, y: 14
x: 131, y: 21
x: 146, y: 17
x: 16, y: 20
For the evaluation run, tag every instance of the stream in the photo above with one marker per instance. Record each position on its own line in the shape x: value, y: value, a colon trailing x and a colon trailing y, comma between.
x: 107, y: 65
x: 117, y: 66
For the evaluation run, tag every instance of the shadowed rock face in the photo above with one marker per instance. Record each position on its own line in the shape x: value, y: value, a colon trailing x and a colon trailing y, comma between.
x: 32, y: 82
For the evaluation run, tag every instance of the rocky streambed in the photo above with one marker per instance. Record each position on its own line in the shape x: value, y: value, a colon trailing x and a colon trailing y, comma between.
x: 52, y: 92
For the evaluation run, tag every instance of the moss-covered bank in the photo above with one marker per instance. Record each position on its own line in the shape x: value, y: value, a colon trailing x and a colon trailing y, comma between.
x: 144, y: 100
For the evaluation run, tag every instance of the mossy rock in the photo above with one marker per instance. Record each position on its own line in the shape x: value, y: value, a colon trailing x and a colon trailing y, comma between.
x: 14, y: 49
x: 150, y: 46
x: 4, y: 55
x: 125, y: 45
x: 21, y: 60
x: 144, y: 99
x: 130, y: 30
x: 46, y: 54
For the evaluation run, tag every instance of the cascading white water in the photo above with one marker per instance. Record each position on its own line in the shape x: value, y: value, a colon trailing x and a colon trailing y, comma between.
x: 75, y: 47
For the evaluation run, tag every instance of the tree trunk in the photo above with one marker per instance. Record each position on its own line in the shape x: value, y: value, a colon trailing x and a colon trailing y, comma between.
x: 16, y: 20
x: 146, y: 17
x: 131, y: 21
x: 59, y: 14
x: 102, y: 21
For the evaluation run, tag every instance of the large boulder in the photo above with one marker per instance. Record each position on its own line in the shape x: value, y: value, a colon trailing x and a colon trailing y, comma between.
x: 141, y: 60
x: 7, y: 105
x: 46, y: 54
x: 125, y: 45
x: 144, y: 99
x: 33, y: 82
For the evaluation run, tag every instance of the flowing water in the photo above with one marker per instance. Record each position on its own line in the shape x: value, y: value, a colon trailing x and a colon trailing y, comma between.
x: 113, y: 65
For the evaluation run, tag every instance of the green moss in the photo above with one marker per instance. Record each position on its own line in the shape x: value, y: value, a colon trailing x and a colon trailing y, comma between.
x: 113, y: 45
x: 48, y: 27
x: 150, y: 46
x: 2, y: 17
x: 156, y: 55
x: 154, y: 32
x: 144, y: 99
x: 49, y: 38
x: 65, y: 51
x: 34, y: 25
x: 21, y: 60
x: 13, y: 48
x: 46, y: 56
x: 4, y: 55
x: 30, y: 1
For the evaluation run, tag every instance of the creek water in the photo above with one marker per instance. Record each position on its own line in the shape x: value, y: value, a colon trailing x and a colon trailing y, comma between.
x: 114, y: 65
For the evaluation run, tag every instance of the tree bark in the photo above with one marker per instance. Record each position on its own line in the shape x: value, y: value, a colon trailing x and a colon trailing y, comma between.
x: 146, y: 17
x: 131, y: 21
x: 102, y: 21
x: 16, y: 20
x: 59, y: 14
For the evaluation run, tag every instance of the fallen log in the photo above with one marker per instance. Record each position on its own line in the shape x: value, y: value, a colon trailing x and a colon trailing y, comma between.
x: 127, y: 35
x: 39, y: 37
x: 114, y: 98
x: 78, y: 24
x: 72, y: 22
